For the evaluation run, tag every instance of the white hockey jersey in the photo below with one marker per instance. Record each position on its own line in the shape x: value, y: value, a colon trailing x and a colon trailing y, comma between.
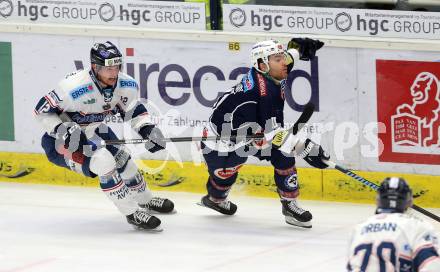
x: 393, y: 242
x: 79, y: 98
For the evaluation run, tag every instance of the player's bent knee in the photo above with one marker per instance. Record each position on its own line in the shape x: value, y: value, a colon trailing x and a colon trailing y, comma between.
x: 102, y: 162
x: 48, y: 145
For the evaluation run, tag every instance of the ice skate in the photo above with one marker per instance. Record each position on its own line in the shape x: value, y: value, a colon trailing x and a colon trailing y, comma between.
x: 224, y: 206
x: 144, y: 221
x: 295, y: 215
x: 159, y: 205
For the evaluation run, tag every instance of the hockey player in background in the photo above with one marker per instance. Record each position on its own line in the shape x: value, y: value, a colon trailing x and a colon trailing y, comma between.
x: 393, y: 240
x: 255, y: 105
x: 72, y: 116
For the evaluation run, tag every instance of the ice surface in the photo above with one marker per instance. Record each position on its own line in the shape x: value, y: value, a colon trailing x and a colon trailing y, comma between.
x: 50, y: 228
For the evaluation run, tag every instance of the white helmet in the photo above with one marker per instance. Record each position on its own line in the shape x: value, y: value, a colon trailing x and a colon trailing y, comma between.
x: 262, y: 51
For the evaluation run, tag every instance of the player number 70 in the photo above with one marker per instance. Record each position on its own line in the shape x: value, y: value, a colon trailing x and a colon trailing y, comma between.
x: 385, y: 252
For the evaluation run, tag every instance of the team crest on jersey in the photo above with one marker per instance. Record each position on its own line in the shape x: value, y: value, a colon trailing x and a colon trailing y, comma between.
x: 248, y: 82
x: 108, y: 94
x: 81, y: 90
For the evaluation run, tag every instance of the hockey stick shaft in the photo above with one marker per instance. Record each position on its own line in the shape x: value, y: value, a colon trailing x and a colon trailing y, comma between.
x: 302, y: 120
x: 184, y: 139
x: 375, y: 187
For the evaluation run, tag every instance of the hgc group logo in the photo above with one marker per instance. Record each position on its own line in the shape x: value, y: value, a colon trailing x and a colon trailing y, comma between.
x: 408, y: 103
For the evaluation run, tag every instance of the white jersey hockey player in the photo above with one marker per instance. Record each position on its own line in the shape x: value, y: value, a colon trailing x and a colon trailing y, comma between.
x: 393, y: 240
x: 72, y: 116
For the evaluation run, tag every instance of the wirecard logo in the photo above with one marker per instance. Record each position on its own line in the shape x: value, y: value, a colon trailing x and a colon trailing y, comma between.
x: 157, y: 76
x: 80, y: 91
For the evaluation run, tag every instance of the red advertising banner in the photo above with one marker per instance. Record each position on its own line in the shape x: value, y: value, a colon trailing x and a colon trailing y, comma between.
x: 408, y: 103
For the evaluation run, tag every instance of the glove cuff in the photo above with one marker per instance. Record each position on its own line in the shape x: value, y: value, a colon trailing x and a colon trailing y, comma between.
x: 294, y: 54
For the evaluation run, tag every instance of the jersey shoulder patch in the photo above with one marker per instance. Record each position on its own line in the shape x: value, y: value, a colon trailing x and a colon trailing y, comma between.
x: 76, y: 85
x: 128, y: 84
x: 248, y: 81
x: 126, y: 81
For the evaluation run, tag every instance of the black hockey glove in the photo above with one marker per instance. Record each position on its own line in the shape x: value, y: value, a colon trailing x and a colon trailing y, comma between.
x: 306, y: 47
x: 69, y: 135
x: 157, y: 140
x: 314, y: 155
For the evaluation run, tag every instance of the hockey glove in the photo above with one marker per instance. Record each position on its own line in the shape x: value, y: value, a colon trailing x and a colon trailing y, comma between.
x: 155, y: 137
x: 70, y: 140
x: 306, y: 47
x: 314, y: 155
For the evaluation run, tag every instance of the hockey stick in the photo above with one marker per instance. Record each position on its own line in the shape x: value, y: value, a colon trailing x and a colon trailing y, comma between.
x: 375, y: 187
x: 302, y: 120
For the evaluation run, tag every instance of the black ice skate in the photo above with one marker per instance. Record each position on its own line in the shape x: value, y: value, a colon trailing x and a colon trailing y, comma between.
x: 159, y: 205
x: 224, y: 207
x: 295, y: 215
x: 143, y: 220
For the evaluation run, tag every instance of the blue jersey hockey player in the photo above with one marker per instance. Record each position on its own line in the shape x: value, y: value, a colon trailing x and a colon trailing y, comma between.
x: 72, y: 116
x: 255, y: 104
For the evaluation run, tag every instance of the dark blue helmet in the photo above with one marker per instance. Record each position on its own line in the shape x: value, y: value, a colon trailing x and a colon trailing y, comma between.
x: 105, y: 54
x: 393, y: 195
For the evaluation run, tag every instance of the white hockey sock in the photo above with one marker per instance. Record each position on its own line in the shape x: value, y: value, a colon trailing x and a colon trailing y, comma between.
x: 135, y: 181
x: 103, y: 164
x: 119, y: 193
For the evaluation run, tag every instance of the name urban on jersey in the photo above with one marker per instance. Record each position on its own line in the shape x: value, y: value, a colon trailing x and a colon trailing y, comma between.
x: 378, y: 227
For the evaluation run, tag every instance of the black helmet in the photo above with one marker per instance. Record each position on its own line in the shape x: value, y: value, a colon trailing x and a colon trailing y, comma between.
x: 105, y: 54
x: 393, y: 195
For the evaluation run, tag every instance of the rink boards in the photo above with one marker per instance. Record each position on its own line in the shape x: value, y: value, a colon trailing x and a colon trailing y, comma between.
x: 362, y: 97
x: 356, y: 84
x: 253, y: 180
